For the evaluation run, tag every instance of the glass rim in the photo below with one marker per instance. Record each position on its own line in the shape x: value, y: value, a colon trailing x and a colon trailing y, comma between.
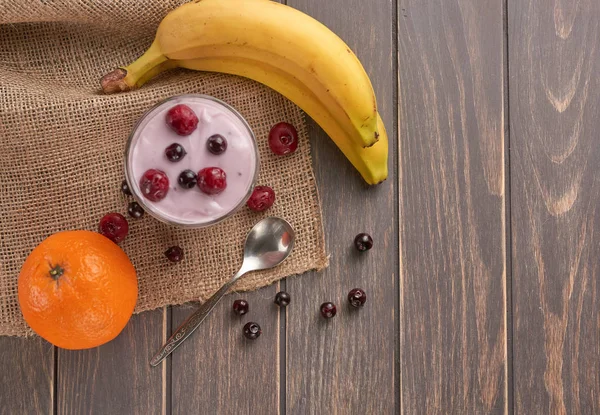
x: 148, y: 207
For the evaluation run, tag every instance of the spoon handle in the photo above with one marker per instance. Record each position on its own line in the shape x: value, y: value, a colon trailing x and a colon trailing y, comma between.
x: 191, y: 324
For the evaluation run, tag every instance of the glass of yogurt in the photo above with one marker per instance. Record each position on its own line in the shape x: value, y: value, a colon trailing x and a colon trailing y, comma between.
x: 191, y: 161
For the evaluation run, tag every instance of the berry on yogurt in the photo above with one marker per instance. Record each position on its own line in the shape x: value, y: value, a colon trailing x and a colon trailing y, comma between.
x: 175, y: 152
x: 187, y: 179
x: 216, y: 144
x: 154, y: 185
x: 182, y: 119
x: 212, y: 180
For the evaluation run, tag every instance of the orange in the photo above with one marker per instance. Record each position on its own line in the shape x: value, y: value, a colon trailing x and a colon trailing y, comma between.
x: 77, y: 289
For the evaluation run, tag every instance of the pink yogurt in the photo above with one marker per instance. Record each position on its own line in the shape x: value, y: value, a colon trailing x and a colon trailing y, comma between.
x: 191, y: 207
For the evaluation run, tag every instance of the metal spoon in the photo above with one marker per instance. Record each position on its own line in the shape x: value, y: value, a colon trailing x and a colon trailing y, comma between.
x: 267, y: 245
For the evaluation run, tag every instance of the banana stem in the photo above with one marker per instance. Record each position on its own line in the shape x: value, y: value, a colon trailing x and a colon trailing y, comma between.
x: 147, y: 62
x: 158, y: 69
x: 136, y: 73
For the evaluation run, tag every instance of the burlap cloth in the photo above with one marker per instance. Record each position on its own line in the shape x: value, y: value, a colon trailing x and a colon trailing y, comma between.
x: 61, y: 161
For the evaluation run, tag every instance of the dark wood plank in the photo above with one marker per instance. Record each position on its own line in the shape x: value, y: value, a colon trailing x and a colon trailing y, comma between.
x: 27, y: 376
x: 554, y: 56
x: 452, y: 206
x: 116, y: 378
x: 346, y: 365
x: 218, y: 370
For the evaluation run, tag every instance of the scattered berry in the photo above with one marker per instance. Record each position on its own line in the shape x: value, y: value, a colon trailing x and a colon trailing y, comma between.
x: 261, y: 199
x: 363, y: 242
x: 174, y: 254
x: 283, y: 139
x: 252, y: 330
x: 240, y: 307
x: 125, y: 188
x: 216, y: 144
x: 175, y: 152
x: 357, y: 297
x: 328, y: 310
x: 114, y: 226
x: 154, y: 185
x: 282, y: 299
x: 212, y: 180
x: 182, y: 119
x: 187, y: 179
x: 135, y: 210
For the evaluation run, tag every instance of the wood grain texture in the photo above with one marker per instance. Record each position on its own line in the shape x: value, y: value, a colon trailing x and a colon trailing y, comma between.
x: 27, y: 376
x: 452, y: 214
x: 554, y: 56
x: 346, y: 365
x: 218, y: 371
x: 115, y: 378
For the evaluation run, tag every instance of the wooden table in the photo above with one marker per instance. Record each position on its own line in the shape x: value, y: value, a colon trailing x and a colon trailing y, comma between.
x: 482, y: 285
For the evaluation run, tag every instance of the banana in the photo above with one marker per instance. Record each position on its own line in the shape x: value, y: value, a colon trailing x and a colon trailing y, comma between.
x: 270, y: 32
x: 281, y: 48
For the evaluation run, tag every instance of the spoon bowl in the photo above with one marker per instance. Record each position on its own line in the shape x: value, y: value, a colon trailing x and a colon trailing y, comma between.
x: 267, y: 245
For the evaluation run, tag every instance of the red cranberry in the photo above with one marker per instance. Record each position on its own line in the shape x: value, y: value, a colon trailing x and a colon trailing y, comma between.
x: 282, y: 299
x: 240, y: 307
x: 283, y: 139
x: 363, y: 242
x: 114, y: 226
x: 328, y: 310
x: 174, y: 254
x: 125, y: 188
x: 175, y: 152
x: 212, y: 180
x: 261, y: 199
x: 135, y: 210
x: 187, y: 179
x: 217, y: 144
x: 357, y: 297
x: 154, y: 185
x: 182, y: 119
x: 252, y: 330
